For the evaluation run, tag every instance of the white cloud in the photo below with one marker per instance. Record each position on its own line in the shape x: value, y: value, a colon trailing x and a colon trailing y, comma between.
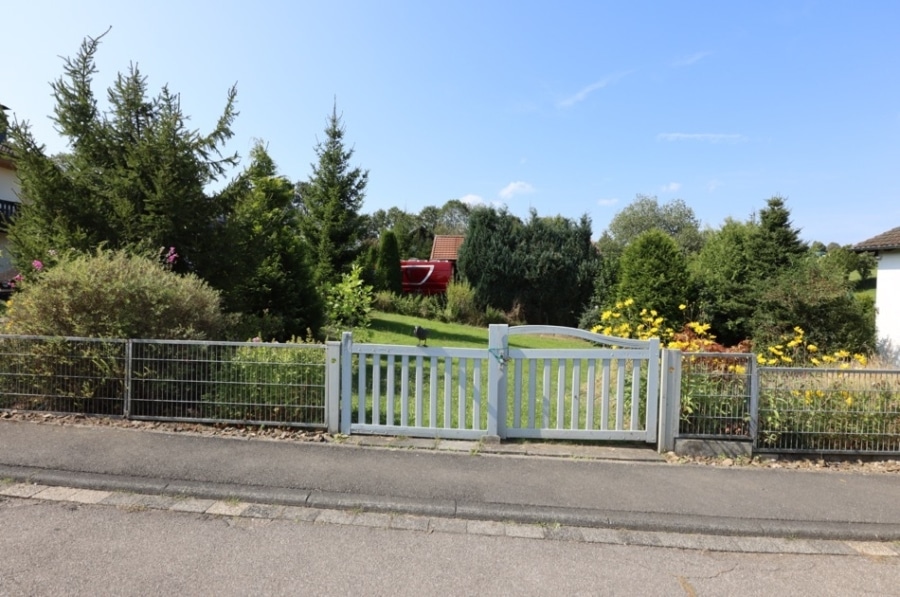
x: 515, y: 188
x: 692, y: 59
x: 672, y: 187
x: 708, y: 137
x: 471, y: 199
x: 607, y: 202
x: 582, y: 95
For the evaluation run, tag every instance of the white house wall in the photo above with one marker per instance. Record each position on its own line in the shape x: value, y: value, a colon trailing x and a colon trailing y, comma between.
x: 887, y: 298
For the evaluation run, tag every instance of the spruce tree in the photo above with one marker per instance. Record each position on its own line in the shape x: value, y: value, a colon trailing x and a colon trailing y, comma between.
x: 329, y: 204
x: 134, y: 176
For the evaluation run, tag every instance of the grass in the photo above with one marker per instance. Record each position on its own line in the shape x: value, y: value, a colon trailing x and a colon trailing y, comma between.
x: 391, y: 328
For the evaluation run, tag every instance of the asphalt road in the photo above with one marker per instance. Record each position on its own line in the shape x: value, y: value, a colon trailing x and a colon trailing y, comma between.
x: 72, y: 549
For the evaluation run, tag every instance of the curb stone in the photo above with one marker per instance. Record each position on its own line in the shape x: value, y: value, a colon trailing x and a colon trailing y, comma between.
x: 428, y: 524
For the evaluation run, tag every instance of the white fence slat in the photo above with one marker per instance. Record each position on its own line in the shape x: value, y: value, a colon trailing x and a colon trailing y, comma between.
x: 376, y: 389
x: 620, y: 396
x: 432, y: 395
x: 576, y: 387
x: 607, y: 382
x: 591, y: 382
x: 419, y: 377
x: 532, y: 393
x: 545, y: 411
x: 448, y: 392
x: 635, y: 395
x: 461, y: 383
x: 561, y: 394
x: 517, y: 393
x: 404, y: 390
x: 476, y: 394
x: 391, y: 390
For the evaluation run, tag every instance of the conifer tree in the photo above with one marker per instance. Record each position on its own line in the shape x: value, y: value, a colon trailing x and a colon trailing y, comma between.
x: 330, y: 202
x: 134, y: 175
x: 389, y: 275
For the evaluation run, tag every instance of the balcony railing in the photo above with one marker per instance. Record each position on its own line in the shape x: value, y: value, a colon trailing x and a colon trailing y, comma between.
x: 7, y: 209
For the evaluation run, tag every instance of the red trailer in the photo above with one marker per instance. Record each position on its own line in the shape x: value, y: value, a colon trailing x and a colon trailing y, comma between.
x: 426, y: 277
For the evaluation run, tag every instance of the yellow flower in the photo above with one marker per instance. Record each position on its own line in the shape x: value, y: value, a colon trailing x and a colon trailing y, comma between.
x: 861, y: 359
x: 815, y: 361
x: 653, y: 312
x: 761, y: 359
x: 828, y: 358
x: 842, y: 354
x: 740, y: 369
x: 682, y: 307
x: 629, y: 302
x: 786, y: 359
x: 849, y: 400
x: 812, y: 348
x: 605, y: 315
x: 798, y: 330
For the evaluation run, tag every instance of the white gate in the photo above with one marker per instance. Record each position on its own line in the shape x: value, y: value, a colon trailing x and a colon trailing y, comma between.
x: 610, y: 392
x: 601, y: 393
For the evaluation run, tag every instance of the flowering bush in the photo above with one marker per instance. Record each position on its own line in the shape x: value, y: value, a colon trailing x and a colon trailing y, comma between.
x: 111, y: 294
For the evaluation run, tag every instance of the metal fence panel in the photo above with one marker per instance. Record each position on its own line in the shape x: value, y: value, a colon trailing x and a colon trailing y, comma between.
x: 715, y: 395
x: 62, y: 375
x: 167, y: 380
x: 255, y: 383
x: 829, y: 410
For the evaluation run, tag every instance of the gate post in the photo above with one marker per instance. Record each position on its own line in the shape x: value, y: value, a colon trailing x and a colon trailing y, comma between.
x: 669, y: 400
x: 498, y: 337
x: 346, y: 381
x: 333, y: 386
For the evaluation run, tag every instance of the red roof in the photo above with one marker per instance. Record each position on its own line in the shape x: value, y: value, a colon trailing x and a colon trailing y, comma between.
x: 446, y: 247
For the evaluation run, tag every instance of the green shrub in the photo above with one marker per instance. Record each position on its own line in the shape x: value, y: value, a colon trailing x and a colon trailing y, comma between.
x: 112, y: 294
x: 385, y: 301
x: 461, y: 305
x: 349, y: 302
x: 271, y: 383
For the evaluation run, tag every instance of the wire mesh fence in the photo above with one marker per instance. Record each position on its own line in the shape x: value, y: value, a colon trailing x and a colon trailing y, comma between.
x: 251, y: 383
x: 716, y: 395
x: 62, y: 375
x: 829, y: 410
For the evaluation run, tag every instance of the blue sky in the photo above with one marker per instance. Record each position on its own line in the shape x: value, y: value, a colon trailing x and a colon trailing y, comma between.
x: 565, y: 107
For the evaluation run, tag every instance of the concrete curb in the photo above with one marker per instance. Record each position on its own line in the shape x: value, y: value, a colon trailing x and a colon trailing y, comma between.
x: 518, y: 514
x: 233, y: 508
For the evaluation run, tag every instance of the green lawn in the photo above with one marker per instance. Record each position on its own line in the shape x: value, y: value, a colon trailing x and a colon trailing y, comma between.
x: 390, y: 328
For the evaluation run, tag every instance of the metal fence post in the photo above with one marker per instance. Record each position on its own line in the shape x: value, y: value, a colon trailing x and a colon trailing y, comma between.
x: 333, y: 386
x: 128, y: 373
x: 346, y: 381
x: 754, y: 401
x: 497, y: 351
